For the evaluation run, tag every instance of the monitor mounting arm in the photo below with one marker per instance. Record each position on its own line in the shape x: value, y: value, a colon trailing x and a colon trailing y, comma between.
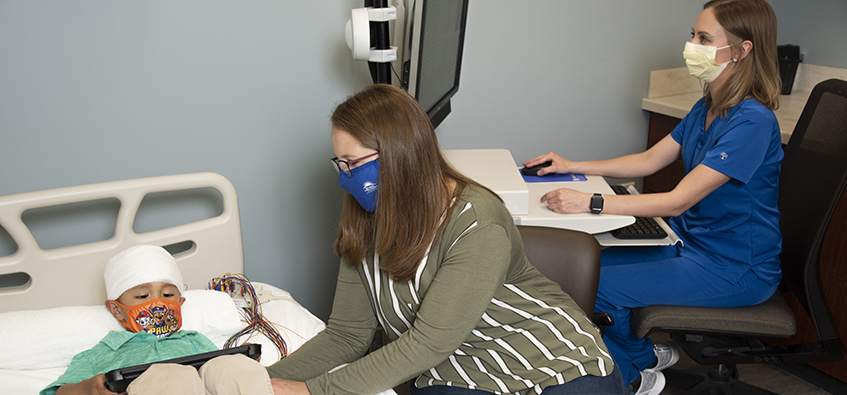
x: 365, y: 21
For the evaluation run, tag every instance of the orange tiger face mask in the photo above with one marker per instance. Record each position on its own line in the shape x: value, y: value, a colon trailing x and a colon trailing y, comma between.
x: 158, y: 317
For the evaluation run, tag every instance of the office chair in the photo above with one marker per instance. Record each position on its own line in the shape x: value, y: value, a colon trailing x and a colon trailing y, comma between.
x: 813, y: 176
x: 569, y: 258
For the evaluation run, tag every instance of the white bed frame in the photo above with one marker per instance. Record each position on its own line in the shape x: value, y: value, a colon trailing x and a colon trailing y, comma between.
x: 73, y: 276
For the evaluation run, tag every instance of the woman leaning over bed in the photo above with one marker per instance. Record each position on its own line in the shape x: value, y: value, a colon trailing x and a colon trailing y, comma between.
x: 435, y: 259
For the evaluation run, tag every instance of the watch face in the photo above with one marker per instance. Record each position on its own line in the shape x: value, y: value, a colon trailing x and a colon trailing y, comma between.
x: 596, y: 203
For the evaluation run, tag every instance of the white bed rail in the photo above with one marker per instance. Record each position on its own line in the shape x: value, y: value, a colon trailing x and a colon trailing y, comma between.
x: 71, y: 276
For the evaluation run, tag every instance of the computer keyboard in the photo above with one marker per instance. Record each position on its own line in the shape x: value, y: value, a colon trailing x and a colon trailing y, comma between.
x: 643, y: 228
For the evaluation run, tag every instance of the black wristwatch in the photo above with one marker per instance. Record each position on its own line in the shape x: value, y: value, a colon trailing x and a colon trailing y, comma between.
x: 596, y: 203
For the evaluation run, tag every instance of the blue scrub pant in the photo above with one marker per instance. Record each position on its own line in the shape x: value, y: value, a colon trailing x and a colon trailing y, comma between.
x: 633, y: 277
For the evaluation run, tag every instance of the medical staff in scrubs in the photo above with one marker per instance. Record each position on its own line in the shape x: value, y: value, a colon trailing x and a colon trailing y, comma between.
x: 725, y: 207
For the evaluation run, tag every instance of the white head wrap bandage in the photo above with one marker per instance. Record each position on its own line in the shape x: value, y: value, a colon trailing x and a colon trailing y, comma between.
x: 140, y: 265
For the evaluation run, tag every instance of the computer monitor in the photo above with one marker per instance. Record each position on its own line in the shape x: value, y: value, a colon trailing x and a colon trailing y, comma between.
x: 435, y: 39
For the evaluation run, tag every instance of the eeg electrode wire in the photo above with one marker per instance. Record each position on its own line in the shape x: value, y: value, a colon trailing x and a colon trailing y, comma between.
x: 233, y: 283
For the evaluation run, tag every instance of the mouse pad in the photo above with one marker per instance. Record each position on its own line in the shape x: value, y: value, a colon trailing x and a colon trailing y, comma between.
x: 555, y: 178
x: 117, y: 380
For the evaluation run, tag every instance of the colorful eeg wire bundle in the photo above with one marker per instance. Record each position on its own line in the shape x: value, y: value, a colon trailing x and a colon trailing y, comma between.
x: 238, y: 286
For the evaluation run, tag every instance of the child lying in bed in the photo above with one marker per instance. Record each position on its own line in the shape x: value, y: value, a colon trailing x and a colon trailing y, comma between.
x: 143, y: 284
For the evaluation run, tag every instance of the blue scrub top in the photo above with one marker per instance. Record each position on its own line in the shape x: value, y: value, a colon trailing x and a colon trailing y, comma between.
x: 736, y: 227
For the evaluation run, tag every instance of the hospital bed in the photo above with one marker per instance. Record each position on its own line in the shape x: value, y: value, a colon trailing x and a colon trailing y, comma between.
x: 51, y: 297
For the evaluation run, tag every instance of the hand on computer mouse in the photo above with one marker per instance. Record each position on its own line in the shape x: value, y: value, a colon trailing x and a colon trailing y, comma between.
x: 533, y: 170
x: 557, y: 164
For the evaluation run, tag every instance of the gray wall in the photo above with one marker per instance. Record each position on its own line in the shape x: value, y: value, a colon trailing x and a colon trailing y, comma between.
x: 94, y: 91
x: 817, y: 26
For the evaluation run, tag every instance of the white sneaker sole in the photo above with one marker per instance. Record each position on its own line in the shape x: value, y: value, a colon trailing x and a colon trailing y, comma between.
x: 656, y: 388
x: 674, y: 352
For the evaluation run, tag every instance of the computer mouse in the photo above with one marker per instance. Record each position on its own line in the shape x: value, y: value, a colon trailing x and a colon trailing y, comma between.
x: 533, y: 170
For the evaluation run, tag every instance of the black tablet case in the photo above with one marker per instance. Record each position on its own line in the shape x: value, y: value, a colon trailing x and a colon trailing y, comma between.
x: 118, y: 380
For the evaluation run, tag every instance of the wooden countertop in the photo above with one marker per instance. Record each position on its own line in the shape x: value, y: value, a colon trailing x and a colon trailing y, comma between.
x: 673, y: 92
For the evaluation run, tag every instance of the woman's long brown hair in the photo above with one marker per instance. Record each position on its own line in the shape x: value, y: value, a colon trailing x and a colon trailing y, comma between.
x: 413, y: 188
x: 756, y: 75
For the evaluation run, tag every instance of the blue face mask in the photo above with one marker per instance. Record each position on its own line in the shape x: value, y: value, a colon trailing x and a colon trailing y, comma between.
x: 362, y: 184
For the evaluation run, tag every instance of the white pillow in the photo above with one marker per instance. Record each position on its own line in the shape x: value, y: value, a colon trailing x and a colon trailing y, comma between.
x: 49, y: 338
x: 212, y: 313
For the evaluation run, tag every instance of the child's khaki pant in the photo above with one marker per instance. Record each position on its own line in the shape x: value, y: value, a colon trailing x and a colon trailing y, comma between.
x: 229, y: 374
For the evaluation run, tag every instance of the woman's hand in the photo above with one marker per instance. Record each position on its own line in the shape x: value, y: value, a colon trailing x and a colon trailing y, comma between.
x: 560, y: 165
x: 567, y: 201
x: 288, y: 387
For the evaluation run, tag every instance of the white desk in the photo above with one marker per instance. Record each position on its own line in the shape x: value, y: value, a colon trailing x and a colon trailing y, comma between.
x: 494, y: 168
x: 497, y: 170
x: 540, y: 215
x: 597, y: 225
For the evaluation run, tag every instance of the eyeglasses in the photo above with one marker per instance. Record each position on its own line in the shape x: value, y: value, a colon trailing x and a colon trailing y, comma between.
x: 343, y: 166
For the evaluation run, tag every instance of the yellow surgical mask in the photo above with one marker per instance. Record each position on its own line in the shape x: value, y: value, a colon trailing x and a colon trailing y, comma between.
x: 701, y: 63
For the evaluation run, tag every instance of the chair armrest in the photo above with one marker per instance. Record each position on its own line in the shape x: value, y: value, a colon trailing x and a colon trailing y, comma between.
x: 602, y: 319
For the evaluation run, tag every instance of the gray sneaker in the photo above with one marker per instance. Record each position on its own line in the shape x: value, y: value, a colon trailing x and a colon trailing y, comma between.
x: 667, y: 354
x: 652, y: 382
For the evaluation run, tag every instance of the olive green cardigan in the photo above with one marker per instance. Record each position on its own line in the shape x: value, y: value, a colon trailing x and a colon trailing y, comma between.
x: 477, y: 315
